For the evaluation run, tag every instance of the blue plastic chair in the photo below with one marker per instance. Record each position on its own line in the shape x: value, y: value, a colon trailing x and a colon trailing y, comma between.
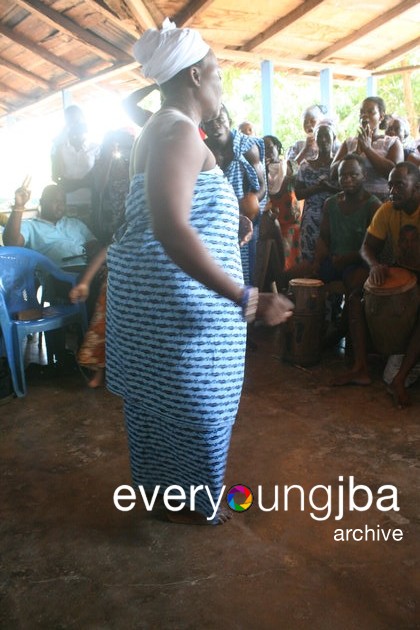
x: 22, y: 272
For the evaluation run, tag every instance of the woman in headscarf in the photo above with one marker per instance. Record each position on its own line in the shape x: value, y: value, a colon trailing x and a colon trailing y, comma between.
x: 241, y: 158
x: 176, y: 299
x: 307, y: 149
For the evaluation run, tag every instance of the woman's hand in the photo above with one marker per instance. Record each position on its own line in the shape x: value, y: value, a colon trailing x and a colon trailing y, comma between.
x: 274, y: 308
x: 310, y: 142
x: 365, y: 136
x: 79, y: 293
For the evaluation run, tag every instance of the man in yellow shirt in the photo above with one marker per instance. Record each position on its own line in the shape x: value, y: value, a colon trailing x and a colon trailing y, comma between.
x: 399, y: 221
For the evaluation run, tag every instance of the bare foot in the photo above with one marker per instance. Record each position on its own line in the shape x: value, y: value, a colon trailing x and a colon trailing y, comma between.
x: 187, y: 517
x: 97, y: 379
x: 399, y: 393
x: 354, y: 377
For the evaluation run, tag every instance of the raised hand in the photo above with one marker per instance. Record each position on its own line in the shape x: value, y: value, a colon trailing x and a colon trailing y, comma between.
x: 22, y: 194
x: 365, y: 137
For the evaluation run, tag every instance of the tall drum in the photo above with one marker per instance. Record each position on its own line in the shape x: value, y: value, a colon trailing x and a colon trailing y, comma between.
x: 391, y: 310
x: 304, y: 330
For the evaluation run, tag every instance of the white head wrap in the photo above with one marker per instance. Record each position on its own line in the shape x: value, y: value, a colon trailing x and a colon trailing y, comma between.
x: 325, y: 122
x: 162, y: 54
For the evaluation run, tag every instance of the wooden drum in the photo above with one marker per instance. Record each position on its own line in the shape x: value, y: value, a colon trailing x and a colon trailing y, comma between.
x: 391, y: 310
x: 304, y: 330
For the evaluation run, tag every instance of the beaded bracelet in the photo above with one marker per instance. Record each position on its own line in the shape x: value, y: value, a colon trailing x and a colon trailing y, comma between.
x: 249, y: 303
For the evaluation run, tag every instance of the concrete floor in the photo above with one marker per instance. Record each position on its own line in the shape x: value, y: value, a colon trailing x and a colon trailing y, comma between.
x: 71, y: 560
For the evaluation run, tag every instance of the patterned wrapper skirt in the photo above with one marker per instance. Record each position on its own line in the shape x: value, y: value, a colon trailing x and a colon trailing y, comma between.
x: 166, y: 453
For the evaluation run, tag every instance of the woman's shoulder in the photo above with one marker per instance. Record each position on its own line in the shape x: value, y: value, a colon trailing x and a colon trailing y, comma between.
x: 385, y: 142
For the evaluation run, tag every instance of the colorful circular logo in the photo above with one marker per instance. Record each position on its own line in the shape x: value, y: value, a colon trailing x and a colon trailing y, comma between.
x: 239, y: 498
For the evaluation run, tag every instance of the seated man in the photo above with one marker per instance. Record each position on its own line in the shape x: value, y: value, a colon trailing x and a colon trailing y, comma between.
x: 346, y: 217
x: 57, y: 237
x: 395, y: 219
x: 52, y: 233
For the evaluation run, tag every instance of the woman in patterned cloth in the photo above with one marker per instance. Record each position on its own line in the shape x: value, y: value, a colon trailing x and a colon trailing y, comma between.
x: 176, y: 300
x: 314, y: 186
x: 241, y: 158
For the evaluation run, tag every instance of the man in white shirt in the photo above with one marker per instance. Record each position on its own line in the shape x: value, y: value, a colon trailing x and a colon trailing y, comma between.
x: 72, y: 160
x: 52, y: 233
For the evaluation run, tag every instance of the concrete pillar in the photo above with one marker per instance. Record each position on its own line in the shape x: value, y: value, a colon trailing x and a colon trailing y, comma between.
x: 325, y: 78
x: 267, y: 96
x: 372, y: 86
x: 66, y: 98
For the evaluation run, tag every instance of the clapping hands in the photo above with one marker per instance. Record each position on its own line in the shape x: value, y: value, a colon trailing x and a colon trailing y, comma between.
x: 365, y: 137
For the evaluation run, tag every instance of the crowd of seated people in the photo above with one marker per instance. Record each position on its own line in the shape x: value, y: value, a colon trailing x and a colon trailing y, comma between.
x: 321, y: 194
x: 361, y: 217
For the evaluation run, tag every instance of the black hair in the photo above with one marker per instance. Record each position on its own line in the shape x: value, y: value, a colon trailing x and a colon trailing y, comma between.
x: 385, y: 122
x: 354, y: 156
x: 224, y: 109
x: 276, y: 142
x: 378, y: 101
x: 48, y: 194
x: 411, y: 169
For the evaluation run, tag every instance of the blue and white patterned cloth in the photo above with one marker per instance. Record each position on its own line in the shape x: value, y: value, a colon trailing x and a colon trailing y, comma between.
x: 243, y: 178
x: 164, y: 453
x: 175, y: 348
x: 312, y: 208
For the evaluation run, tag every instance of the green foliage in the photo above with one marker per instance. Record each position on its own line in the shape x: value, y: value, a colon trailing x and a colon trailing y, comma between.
x: 293, y: 94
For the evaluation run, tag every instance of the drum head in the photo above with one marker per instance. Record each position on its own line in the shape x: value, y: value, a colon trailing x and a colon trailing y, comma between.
x: 398, y: 281
x: 305, y: 282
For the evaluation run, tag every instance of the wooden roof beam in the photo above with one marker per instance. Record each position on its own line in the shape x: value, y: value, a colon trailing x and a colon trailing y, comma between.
x: 282, y: 23
x: 394, y: 54
x: 364, y: 30
x: 40, y: 51
x: 254, y: 59
x: 116, y: 20
x: 141, y: 14
x: 26, y: 74
x: 191, y: 11
x: 8, y: 90
x: 400, y: 70
x: 62, y: 23
x: 105, y: 74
